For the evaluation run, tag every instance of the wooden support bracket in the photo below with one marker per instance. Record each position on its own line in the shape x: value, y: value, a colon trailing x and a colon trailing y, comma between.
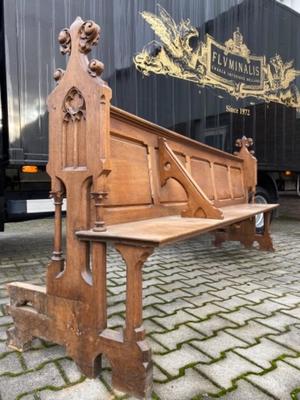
x: 245, y: 233
x: 199, y: 204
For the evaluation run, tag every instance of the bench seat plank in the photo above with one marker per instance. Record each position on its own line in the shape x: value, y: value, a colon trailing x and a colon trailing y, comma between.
x: 165, y: 230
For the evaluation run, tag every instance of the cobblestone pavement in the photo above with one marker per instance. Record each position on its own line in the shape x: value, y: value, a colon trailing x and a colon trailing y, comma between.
x: 223, y: 323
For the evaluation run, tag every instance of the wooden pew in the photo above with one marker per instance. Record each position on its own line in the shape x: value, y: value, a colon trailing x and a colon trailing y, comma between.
x: 136, y: 185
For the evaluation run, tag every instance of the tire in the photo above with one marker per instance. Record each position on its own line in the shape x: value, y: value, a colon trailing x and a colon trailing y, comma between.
x: 261, y: 197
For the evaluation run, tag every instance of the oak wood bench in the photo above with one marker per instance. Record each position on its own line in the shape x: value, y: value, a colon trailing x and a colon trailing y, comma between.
x: 136, y: 185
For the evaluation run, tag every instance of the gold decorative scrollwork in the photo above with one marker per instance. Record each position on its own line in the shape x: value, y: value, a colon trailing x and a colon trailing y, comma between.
x: 89, y: 36
x: 229, y: 66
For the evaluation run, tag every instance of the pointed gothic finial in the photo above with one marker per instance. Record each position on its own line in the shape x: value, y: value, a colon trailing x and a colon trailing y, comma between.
x: 246, y: 143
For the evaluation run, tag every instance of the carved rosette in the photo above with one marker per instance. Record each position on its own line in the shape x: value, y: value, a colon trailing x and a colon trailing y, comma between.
x: 89, y: 36
x: 64, y: 39
x: 74, y: 106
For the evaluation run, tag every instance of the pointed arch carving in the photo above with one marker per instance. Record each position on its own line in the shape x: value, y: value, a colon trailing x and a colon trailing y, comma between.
x: 74, y: 129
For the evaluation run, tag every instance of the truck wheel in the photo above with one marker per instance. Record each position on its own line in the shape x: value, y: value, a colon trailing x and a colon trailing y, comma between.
x: 261, y: 197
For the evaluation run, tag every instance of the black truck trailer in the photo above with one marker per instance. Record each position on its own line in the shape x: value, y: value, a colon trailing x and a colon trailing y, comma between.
x: 212, y: 70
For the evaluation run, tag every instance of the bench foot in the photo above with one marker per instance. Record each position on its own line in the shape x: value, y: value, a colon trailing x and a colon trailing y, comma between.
x: 134, y: 373
x: 18, y: 340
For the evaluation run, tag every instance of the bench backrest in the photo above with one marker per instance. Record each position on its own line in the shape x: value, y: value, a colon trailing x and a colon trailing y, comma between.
x: 109, y: 161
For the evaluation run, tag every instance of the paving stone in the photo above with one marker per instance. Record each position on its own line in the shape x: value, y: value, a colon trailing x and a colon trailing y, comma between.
x: 171, y: 321
x: 35, y: 358
x: 288, y: 299
x: 158, y: 375
x: 206, y: 310
x: 264, y: 352
x: 115, y: 321
x: 216, y: 345
x: 172, y: 286
x: 177, y: 294
x: 251, y: 331
x: 295, y: 312
x: 10, y: 364
x: 279, y: 382
x: 201, y: 299
x: 185, y: 387
x: 228, y: 292
x: 267, y: 307
x: 290, y: 339
x: 172, y: 362
x: 90, y: 389
x: 241, y: 316
x: 173, y: 338
x: 233, y: 302
x: 210, y: 326
x: 6, y: 319
x: 219, y: 284
x: 4, y: 348
x: 151, y: 327
x: 11, y: 387
x: 173, y: 306
x: 246, y: 391
x: 278, y: 321
x: 198, y: 290
x: 156, y: 347
x: 70, y: 370
x: 257, y: 296
x: 224, y: 371
x: 150, y: 311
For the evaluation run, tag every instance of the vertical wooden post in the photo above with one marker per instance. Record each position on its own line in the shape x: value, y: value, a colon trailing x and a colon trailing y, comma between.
x: 57, y: 246
x: 250, y: 165
x: 98, y: 198
x: 134, y: 258
x: 99, y: 284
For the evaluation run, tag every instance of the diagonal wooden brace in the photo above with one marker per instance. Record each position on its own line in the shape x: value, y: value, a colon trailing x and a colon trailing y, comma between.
x: 199, y: 204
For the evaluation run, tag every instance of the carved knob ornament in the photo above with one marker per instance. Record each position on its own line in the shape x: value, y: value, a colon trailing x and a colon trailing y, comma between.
x: 58, y: 74
x: 64, y: 39
x: 96, y: 67
x: 89, y: 36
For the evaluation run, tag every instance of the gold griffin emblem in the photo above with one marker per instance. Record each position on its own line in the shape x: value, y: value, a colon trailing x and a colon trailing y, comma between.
x: 229, y: 66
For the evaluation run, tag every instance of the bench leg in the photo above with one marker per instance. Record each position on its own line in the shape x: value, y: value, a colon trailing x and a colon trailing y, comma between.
x: 133, y: 374
x: 264, y: 239
x: 245, y: 233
